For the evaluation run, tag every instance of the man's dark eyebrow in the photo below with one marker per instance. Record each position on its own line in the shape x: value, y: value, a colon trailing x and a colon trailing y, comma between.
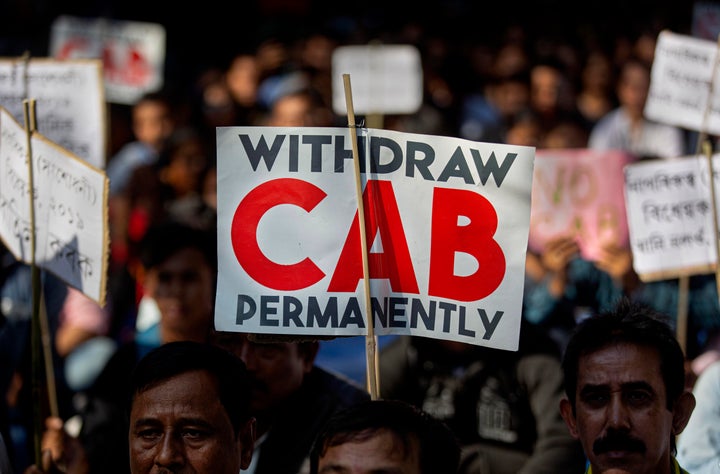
x: 638, y: 385
x: 144, y: 422
x: 633, y: 385
x: 588, y: 387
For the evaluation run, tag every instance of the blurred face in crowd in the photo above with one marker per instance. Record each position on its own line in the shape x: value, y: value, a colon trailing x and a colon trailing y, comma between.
x: 633, y: 88
x: 525, y: 132
x: 381, y: 452
x: 510, y: 96
x: 277, y: 369
x: 621, y: 415
x: 292, y: 111
x: 186, y: 168
x: 242, y: 79
x: 545, y: 88
x: 183, y: 287
x: 180, y: 426
x: 152, y: 123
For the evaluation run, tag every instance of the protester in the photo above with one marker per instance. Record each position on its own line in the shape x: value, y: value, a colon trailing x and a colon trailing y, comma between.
x: 152, y: 122
x: 625, y: 385
x: 699, y: 444
x: 74, y: 321
x: 291, y: 398
x: 552, y: 95
x: 626, y: 128
x: 179, y: 266
x: 213, y: 431
x: 569, y: 287
x: 385, y: 436
x: 501, y: 405
x: 702, y: 344
x: 188, y: 412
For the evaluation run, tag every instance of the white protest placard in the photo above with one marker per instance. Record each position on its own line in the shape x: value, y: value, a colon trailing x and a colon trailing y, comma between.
x: 133, y: 53
x: 680, y: 92
x: 70, y: 102
x: 70, y: 209
x: 669, y: 211
x: 386, y: 79
x: 446, y: 224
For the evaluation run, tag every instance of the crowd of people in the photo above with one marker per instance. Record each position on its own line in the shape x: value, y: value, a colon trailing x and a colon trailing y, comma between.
x: 599, y: 381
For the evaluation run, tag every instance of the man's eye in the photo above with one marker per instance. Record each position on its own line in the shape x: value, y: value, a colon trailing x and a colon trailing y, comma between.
x: 595, y: 399
x: 194, y: 434
x: 637, y: 397
x: 149, y: 434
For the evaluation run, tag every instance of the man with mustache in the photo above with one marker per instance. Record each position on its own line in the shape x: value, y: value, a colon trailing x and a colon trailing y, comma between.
x: 625, y: 385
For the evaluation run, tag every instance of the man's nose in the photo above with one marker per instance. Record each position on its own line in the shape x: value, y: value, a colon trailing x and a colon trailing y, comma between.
x: 618, y: 414
x: 170, y: 452
x: 247, y: 354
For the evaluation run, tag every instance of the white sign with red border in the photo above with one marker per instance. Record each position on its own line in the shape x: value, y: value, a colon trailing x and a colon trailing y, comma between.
x: 132, y: 52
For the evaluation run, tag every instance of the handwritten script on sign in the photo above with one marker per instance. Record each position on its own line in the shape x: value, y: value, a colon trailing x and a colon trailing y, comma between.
x: 70, y: 102
x: 70, y: 199
x: 670, y: 217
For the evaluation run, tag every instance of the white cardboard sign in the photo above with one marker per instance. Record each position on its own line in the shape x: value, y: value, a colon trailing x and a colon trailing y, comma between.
x: 133, y: 53
x: 446, y: 224
x: 70, y: 102
x: 385, y: 79
x: 71, y: 230
x: 679, y: 92
x: 669, y: 211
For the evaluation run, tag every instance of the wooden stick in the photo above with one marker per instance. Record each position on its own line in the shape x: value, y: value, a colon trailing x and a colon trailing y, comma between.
x: 40, y: 331
x: 36, y: 341
x: 704, y: 144
x: 682, y: 311
x: 707, y: 151
x: 371, y: 338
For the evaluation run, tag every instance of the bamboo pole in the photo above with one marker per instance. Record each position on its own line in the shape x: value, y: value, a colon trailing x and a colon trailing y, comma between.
x: 370, y: 338
x: 41, y: 342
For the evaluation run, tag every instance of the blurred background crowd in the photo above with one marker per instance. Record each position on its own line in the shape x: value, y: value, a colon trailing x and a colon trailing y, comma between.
x: 541, y: 73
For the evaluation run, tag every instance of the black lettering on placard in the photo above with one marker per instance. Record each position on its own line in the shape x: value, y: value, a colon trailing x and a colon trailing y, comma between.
x: 388, y: 312
x: 385, y: 156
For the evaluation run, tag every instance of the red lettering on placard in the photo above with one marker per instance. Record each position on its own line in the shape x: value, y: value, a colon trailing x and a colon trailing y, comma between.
x: 475, y: 239
x: 244, y: 233
x: 394, y: 263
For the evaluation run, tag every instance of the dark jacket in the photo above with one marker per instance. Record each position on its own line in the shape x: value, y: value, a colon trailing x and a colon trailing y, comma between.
x: 300, y: 419
x: 503, y: 406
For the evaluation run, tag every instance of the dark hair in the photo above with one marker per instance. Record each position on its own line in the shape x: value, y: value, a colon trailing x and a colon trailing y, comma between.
x: 632, y: 323
x: 175, y: 358
x: 165, y: 239
x: 438, y: 448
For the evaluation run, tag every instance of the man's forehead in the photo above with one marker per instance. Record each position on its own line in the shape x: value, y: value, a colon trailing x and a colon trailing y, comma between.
x: 620, y: 364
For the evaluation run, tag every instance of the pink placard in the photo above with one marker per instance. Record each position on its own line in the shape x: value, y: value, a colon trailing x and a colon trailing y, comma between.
x: 579, y: 193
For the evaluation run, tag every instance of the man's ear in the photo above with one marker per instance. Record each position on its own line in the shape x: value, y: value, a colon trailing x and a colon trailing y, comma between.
x: 246, y: 443
x: 566, y: 411
x: 309, y: 351
x: 682, y: 410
